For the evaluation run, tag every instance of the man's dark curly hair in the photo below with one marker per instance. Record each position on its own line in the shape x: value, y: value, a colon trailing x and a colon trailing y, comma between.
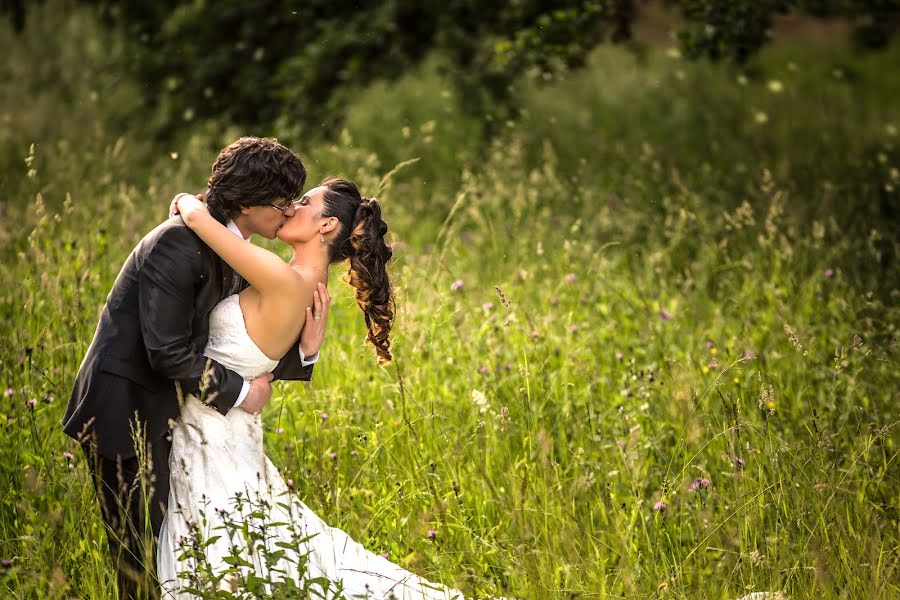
x: 253, y: 171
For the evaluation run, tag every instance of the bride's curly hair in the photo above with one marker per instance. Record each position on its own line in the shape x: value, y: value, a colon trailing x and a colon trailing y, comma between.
x: 360, y: 238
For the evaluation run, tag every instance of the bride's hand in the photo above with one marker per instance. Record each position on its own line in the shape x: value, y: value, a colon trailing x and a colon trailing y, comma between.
x: 189, y: 207
x: 173, y: 206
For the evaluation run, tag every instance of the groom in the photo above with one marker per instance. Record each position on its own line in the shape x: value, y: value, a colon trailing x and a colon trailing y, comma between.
x: 147, y: 351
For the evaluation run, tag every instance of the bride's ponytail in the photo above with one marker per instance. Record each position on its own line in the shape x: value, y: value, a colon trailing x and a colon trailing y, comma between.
x: 368, y: 275
x: 361, y: 240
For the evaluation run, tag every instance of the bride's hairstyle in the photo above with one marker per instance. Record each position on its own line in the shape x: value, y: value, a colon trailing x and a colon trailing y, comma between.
x: 252, y: 171
x: 361, y: 239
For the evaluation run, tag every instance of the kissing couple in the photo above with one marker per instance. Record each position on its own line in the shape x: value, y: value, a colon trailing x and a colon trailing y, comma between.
x: 166, y: 404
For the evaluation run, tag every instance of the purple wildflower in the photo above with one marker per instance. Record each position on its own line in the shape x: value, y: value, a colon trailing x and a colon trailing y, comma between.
x: 714, y: 363
x: 280, y: 431
x: 324, y: 416
x: 432, y: 534
x: 334, y: 456
x: 699, y: 483
x: 290, y: 483
x: 5, y: 563
x: 457, y: 285
x: 9, y: 392
x: 573, y: 328
x: 664, y: 314
x: 829, y: 273
x: 710, y: 345
x: 739, y: 462
x: 384, y: 555
x: 488, y: 306
x: 571, y: 277
x: 660, y: 506
x: 484, y: 370
x: 68, y: 456
x: 619, y: 356
x: 32, y: 402
x: 534, y: 335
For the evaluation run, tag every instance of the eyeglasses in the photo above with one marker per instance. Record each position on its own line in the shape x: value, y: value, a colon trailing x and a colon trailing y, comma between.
x: 284, y: 209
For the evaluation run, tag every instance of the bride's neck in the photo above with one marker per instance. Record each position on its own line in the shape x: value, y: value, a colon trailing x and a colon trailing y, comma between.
x: 313, y: 257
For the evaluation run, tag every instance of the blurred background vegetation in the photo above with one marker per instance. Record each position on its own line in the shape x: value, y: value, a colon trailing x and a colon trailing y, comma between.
x: 690, y: 209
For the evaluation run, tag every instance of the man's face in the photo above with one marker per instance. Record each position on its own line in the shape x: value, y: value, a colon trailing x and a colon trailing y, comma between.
x: 266, y: 219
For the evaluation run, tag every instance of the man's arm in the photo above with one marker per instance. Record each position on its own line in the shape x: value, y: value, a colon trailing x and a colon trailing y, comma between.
x: 166, y: 303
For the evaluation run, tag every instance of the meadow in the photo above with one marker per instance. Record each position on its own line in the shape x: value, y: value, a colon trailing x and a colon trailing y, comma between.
x: 646, y: 343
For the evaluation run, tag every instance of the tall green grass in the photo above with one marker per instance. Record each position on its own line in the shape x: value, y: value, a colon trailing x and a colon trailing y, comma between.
x: 641, y: 287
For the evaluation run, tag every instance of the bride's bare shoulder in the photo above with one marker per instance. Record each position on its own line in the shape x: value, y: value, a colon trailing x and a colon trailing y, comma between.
x: 307, y: 276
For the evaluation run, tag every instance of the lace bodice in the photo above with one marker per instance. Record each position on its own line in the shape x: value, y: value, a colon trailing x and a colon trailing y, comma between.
x: 229, y: 343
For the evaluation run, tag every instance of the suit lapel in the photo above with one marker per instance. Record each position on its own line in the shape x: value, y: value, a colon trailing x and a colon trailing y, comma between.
x: 227, y: 275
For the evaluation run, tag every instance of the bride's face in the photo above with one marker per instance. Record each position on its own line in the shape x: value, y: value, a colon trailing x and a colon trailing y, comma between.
x: 307, y: 222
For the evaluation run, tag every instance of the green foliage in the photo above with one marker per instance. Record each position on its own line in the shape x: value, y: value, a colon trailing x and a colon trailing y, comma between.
x: 667, y: 273
x: 303, y: 63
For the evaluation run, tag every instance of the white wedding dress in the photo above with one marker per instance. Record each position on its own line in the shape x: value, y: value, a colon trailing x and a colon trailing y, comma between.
x: 220, y: 474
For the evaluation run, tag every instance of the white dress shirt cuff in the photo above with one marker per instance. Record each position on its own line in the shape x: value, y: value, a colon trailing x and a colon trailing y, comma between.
x: 307, y: 361
x: 245, y: 389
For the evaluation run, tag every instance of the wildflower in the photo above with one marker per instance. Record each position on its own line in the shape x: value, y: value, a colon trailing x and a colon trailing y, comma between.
x: 280, y: 431
x: 714, y: 363
x: 457, y: 285
x: 619, y: 356
x: 664, y: 314
x: 68, y: 456
x: 660, y: 506
x: 484, y: 370
x: 534, y: 335
x: 32, y: 402
x: 334, y: 456
x: 573, y: 328
x: 487, y: 306
x: 324, y: 416
x: 829, y: 273
x: 710, y: 345
x: 9, y: 392
x: 749, y: 354
x: 432, y: 534
x: 570, y: 278
x: 5, y: 563
x: 290, y: 483
x: 739, y: 462
x: 700, y: 483
x: 384, y: 555
x: 479, y: 398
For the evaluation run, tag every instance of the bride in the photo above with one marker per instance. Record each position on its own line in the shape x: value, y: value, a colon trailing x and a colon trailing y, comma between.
x: 233, y: 524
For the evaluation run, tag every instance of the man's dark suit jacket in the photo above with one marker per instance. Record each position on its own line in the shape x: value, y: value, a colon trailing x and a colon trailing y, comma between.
x: 152, y: 333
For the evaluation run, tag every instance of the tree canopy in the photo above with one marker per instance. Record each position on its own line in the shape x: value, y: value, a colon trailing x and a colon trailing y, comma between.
x: 252, y: 62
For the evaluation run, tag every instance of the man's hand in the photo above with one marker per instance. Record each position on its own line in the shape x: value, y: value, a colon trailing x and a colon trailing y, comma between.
x: 259, y: 394
x: 313, y: 333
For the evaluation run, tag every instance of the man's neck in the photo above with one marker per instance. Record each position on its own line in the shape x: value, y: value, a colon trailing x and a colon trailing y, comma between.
x: 237, y: 224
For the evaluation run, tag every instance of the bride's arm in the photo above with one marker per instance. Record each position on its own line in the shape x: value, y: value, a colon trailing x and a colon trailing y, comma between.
x: 264, y: 270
